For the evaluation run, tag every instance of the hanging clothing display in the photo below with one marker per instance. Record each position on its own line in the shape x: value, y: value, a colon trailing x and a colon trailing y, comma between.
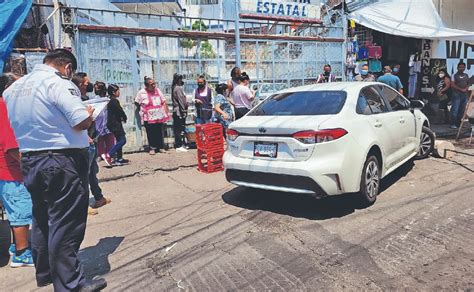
x: 375, y: 66
x: 375, y: 52
x: 363, y: 53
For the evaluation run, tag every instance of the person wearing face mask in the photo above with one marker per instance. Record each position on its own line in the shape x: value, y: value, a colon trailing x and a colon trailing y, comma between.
x: 391, y: 80
x: 460, y: 88
x: 326, y: 76
x: 443, y: 92
x: 223, y: 108
x: 154, y: 113
x: 115, y: 119
x: 364, y: 75
x: 203, y: 102
x: 180, y: 112
x: 106, y: 139
x: 81, y: 80
x: 50, y: 123
x: 396, y: 69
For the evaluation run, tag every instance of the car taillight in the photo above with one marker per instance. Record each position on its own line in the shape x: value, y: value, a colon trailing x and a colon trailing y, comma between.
x: 232, y: 134
x: 312, y: 137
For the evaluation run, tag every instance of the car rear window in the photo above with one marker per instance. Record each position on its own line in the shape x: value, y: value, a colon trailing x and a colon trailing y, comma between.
x: 305, y: 103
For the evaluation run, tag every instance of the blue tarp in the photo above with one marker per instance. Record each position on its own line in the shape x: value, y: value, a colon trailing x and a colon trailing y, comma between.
x: 12, y: 15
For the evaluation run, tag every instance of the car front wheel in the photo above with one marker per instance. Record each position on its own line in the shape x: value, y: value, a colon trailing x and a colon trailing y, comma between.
x: 427, y: 140
x: 370, y: 180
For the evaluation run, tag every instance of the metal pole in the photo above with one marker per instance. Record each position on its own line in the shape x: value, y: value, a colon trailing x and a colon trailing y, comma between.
x: 238, y: 61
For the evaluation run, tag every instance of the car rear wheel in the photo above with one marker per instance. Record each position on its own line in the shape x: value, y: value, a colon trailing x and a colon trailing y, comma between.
x: 370, y: 180
x: 427, y: 139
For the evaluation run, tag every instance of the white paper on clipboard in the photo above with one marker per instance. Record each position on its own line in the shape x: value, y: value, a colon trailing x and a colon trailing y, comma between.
x: 99, y: 104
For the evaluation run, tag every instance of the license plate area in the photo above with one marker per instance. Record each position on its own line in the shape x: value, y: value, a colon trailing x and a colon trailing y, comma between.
x: 263, y: 149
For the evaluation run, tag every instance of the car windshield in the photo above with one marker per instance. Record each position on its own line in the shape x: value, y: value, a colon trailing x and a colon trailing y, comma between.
x: 306, y: 103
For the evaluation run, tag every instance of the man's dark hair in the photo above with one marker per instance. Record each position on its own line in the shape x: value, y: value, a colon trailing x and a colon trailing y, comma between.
x: 327, y: 65
x: 112, y: 89
x: 221, y: 88
x: 100, y: 89
x: 60, y: 57
x: 461, y: 64
x: 78, y: 78
x: 233, y: 71
x: 6, y: 80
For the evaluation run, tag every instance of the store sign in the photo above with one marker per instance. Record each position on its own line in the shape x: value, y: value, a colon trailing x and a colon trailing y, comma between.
x: 426, y: 88
x: 282, y: 8
x: 453, y: 52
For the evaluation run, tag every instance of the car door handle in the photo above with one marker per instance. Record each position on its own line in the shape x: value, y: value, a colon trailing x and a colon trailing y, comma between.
x: 378, y: 125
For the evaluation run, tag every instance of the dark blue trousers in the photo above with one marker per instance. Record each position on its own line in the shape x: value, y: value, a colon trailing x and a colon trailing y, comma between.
x: 58, y: 183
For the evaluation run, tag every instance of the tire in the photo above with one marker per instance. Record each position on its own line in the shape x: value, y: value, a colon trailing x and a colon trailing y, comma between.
x: 370, y: 181
x: 427, y: 140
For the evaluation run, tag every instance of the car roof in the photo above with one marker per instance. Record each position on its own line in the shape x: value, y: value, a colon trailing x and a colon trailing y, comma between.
x: 349, y: 87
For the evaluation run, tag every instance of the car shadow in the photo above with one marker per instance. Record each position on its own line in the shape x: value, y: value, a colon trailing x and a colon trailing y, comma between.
x: 95, y: 258
x: 306, y: 206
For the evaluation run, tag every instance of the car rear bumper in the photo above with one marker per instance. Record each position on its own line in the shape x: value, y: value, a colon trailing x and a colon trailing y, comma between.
x: 296, y: 177
x: 274, y: 182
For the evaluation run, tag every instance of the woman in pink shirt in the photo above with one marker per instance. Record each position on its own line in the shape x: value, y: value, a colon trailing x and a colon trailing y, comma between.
x: 154, y: 113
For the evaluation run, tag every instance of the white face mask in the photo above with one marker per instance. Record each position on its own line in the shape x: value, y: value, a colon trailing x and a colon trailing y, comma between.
x: 441, y: 75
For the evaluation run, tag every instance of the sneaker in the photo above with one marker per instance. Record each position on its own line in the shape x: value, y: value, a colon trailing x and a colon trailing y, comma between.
x: 24, y: 260
x: 102, y: 202
x: 12, y: 249
x: 453, y: 127
x: 152, y: 152
x: 181, y: 149
x: 162, y: 151
x: 117, y: 163
x: 123, y: 160
x: 107, y: 159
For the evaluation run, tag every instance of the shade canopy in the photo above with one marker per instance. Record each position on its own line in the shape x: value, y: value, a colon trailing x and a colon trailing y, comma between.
x: 408, y: 18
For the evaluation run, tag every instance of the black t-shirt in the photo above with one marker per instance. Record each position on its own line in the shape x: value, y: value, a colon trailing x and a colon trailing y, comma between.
x: 461, y: 80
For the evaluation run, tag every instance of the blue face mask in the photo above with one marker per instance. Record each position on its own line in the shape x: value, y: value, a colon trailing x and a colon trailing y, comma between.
x: 364, y: 72
x: 395, y: 70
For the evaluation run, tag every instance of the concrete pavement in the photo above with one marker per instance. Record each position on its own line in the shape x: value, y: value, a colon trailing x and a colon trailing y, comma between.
x: 184, y: 230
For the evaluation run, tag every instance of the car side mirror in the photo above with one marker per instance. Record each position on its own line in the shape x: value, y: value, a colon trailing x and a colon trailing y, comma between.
x: 416, y: 104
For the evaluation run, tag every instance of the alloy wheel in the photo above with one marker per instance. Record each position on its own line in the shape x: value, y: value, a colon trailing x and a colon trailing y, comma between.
x: 425, y: 144
x: 372, y: 179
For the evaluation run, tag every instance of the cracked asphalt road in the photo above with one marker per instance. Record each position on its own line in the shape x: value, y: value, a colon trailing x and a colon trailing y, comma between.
x: 184, y: 230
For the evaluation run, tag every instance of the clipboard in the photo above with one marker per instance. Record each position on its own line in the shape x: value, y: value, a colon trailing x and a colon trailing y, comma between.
x: 99, y: 104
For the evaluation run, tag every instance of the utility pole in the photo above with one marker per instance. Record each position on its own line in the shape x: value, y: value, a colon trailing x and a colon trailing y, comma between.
x: 238, y: 61
x: 57, y: 27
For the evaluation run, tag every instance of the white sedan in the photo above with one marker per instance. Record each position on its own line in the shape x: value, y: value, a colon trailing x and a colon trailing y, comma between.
x: 327, y: 139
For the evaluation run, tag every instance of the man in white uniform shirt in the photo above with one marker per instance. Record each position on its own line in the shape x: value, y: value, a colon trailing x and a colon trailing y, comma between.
x: 50, y: 123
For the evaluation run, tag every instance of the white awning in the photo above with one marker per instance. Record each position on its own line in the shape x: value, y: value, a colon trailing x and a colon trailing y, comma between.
x: 408, y: 18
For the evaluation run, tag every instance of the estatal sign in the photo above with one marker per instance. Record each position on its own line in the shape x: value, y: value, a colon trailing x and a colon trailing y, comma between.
x: 282, y: 8
x: 454, y: 52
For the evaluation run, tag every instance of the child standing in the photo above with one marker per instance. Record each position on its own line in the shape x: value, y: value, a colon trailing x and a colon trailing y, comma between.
x: 115, y: 117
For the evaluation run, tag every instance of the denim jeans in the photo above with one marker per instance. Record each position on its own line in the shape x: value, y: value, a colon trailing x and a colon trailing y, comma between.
x: 117, y: 148
x: 93, y: 170
x: 458, y: 106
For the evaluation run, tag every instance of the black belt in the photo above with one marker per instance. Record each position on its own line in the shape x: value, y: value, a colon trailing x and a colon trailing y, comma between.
x: 70, y: 151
